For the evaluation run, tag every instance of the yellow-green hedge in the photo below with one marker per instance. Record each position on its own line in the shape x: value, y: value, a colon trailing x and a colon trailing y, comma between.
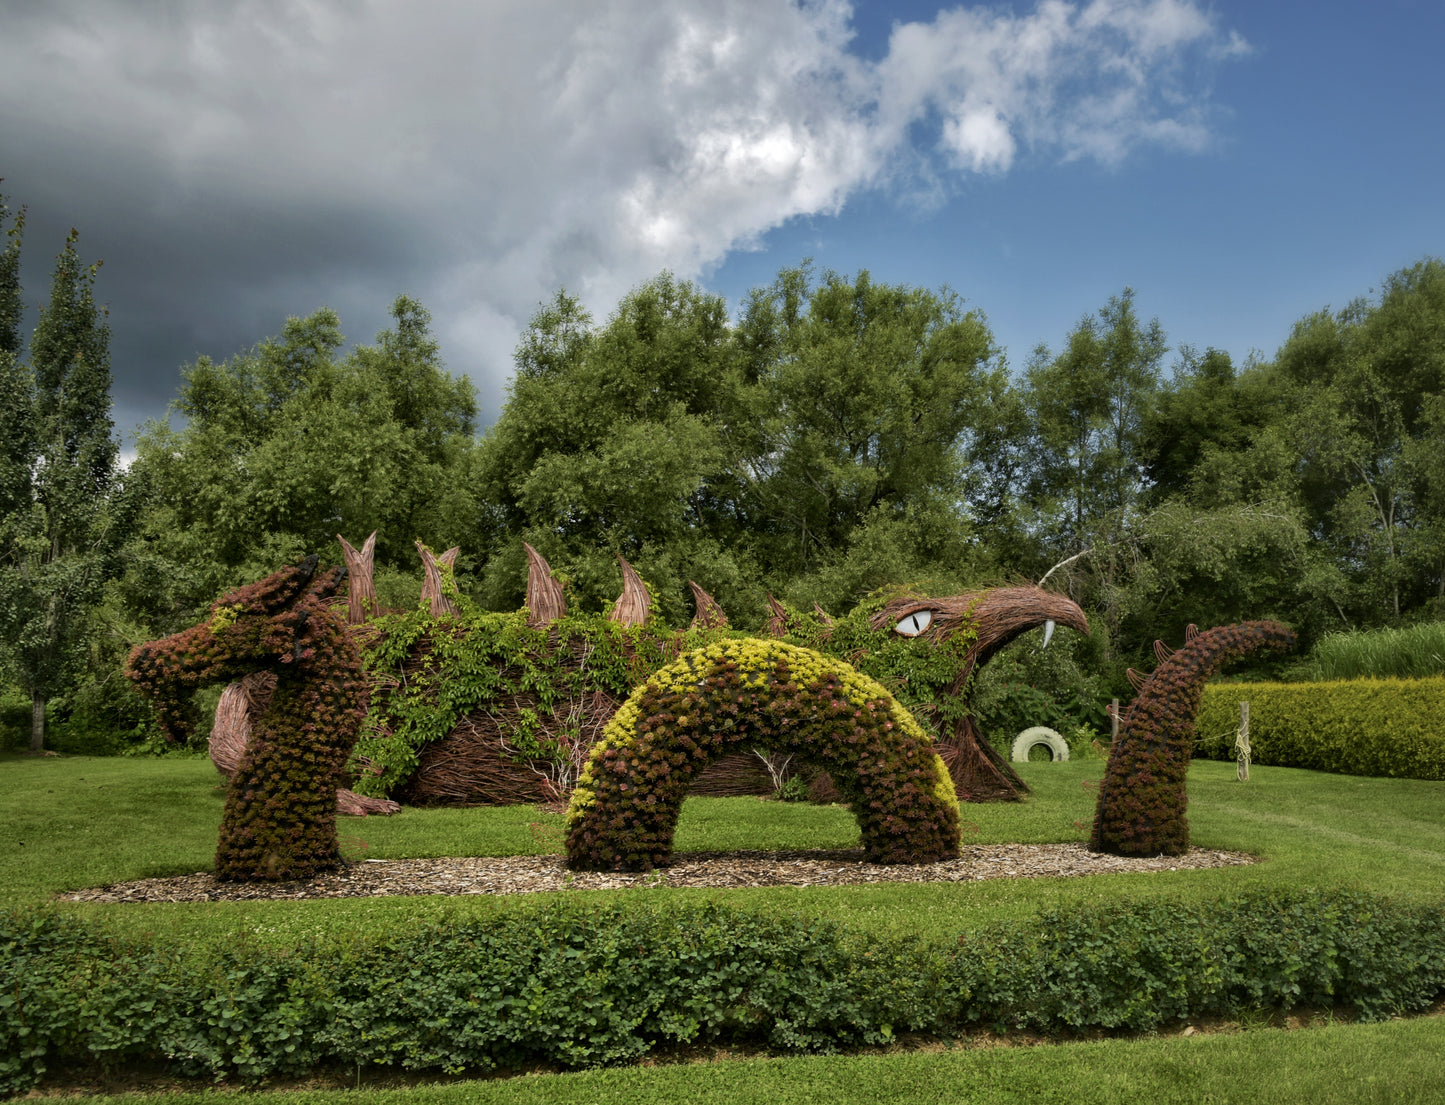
x: 1387, y: 727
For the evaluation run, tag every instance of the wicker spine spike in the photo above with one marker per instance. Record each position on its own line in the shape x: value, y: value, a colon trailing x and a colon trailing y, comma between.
x: 777, y: 623
x: 634, y: 604
x: 432, y: 592
x: 709, y: 614
x: 545, y: 601
x: 823, y: 615
x: 360, y: 579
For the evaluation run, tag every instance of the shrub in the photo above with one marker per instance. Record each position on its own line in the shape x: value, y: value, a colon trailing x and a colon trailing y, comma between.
x: 777, y: 697
x: 1384, y: 727
x: 1025, y: 685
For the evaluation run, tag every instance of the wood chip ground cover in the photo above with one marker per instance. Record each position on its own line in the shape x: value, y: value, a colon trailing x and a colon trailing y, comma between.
x: 535, y: 874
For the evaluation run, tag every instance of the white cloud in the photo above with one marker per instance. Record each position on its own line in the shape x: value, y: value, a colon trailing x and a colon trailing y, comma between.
x: 481, y: 155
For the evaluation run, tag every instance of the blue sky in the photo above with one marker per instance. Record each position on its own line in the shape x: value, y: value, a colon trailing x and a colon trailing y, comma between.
x: 1324, y: 172
x: 1238, y: 164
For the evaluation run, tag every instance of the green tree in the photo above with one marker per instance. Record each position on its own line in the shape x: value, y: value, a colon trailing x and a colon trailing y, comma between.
x: 1361, y: 386
x: 10, y: 302
x: 1200, y: 408
x: 1089, y: 404
x: 1089, y: 408
x: 877, y: 411
x: 620, y: 439
x: 289, y: 444
x: 17, y: 412
x: 61, y: 528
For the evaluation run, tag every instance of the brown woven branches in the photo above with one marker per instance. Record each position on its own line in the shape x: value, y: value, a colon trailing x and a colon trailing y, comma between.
x: 709, y: 614
x: 545, y: 601
x: 360, y: 579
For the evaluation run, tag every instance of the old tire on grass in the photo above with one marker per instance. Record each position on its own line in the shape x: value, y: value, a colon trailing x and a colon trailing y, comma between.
x: 1039, y: 735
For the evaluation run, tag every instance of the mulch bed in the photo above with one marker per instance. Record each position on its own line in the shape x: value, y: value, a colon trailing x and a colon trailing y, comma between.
x: 534, y: 874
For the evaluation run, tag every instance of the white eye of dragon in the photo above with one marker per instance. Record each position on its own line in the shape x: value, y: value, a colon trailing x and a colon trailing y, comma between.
x: 914, y: 624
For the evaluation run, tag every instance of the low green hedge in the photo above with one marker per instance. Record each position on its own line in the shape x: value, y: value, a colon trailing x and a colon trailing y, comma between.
x: 1383, y: 727
x: 585, y: 987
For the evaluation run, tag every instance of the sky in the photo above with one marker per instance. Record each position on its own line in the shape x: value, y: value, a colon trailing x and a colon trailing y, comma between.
x: 1238, y: 164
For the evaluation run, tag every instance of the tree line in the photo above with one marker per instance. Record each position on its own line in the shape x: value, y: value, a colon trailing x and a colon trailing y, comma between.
x: 831, y: 436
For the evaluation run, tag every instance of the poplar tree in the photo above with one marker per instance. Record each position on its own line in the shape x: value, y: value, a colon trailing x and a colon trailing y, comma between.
x: 57, y: 537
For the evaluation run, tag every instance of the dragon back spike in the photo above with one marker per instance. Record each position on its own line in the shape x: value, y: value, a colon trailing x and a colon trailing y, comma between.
x: 360, y: 579
x: 1138, y: 679
x: 545, y: 601
x: 1162, y: 651
x: 634, y: 604
x: 1190, y: 632
x: 440, y: 605
x: 823, y: 615
x: 777, y: 623
x: 709, y: 614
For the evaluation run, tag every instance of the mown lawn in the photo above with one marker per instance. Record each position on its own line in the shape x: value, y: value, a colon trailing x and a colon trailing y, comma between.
x: 68, y: 823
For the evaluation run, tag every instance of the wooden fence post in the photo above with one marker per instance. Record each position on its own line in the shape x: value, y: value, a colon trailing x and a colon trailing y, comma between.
x: 1241, y: 742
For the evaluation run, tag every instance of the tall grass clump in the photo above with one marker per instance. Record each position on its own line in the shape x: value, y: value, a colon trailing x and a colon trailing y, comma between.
x: 1411, y: 653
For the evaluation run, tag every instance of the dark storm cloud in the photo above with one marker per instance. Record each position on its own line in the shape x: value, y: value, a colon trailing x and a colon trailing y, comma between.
x: 236, y: 163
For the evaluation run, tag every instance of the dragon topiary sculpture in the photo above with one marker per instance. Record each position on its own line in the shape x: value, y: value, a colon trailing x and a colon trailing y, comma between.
x: 493, y: 709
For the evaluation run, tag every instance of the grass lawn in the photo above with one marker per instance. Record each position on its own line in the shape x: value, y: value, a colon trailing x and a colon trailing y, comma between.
x: 1376, y: 1064
x: 74, y: 822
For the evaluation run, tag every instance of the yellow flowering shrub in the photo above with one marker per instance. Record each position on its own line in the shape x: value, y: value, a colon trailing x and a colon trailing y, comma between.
x: 771, y: 695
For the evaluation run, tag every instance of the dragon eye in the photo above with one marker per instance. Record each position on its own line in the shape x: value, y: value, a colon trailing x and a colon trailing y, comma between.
x: 911, y: 625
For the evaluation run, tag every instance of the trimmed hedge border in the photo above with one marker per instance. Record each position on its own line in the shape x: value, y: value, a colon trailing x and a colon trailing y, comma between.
x: 583, y: 987
x: 1380, y: 727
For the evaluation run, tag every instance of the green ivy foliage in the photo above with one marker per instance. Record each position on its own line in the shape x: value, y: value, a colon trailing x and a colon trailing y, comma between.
x: 585, y: 986
x: 1142, y: 797
x: 1381, y: 727
x: 429, y: 673
x: 280, y: 814
x: 774, y: 696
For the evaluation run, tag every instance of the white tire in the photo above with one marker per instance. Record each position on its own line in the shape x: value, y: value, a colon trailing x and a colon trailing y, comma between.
x: 1039, y: 735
